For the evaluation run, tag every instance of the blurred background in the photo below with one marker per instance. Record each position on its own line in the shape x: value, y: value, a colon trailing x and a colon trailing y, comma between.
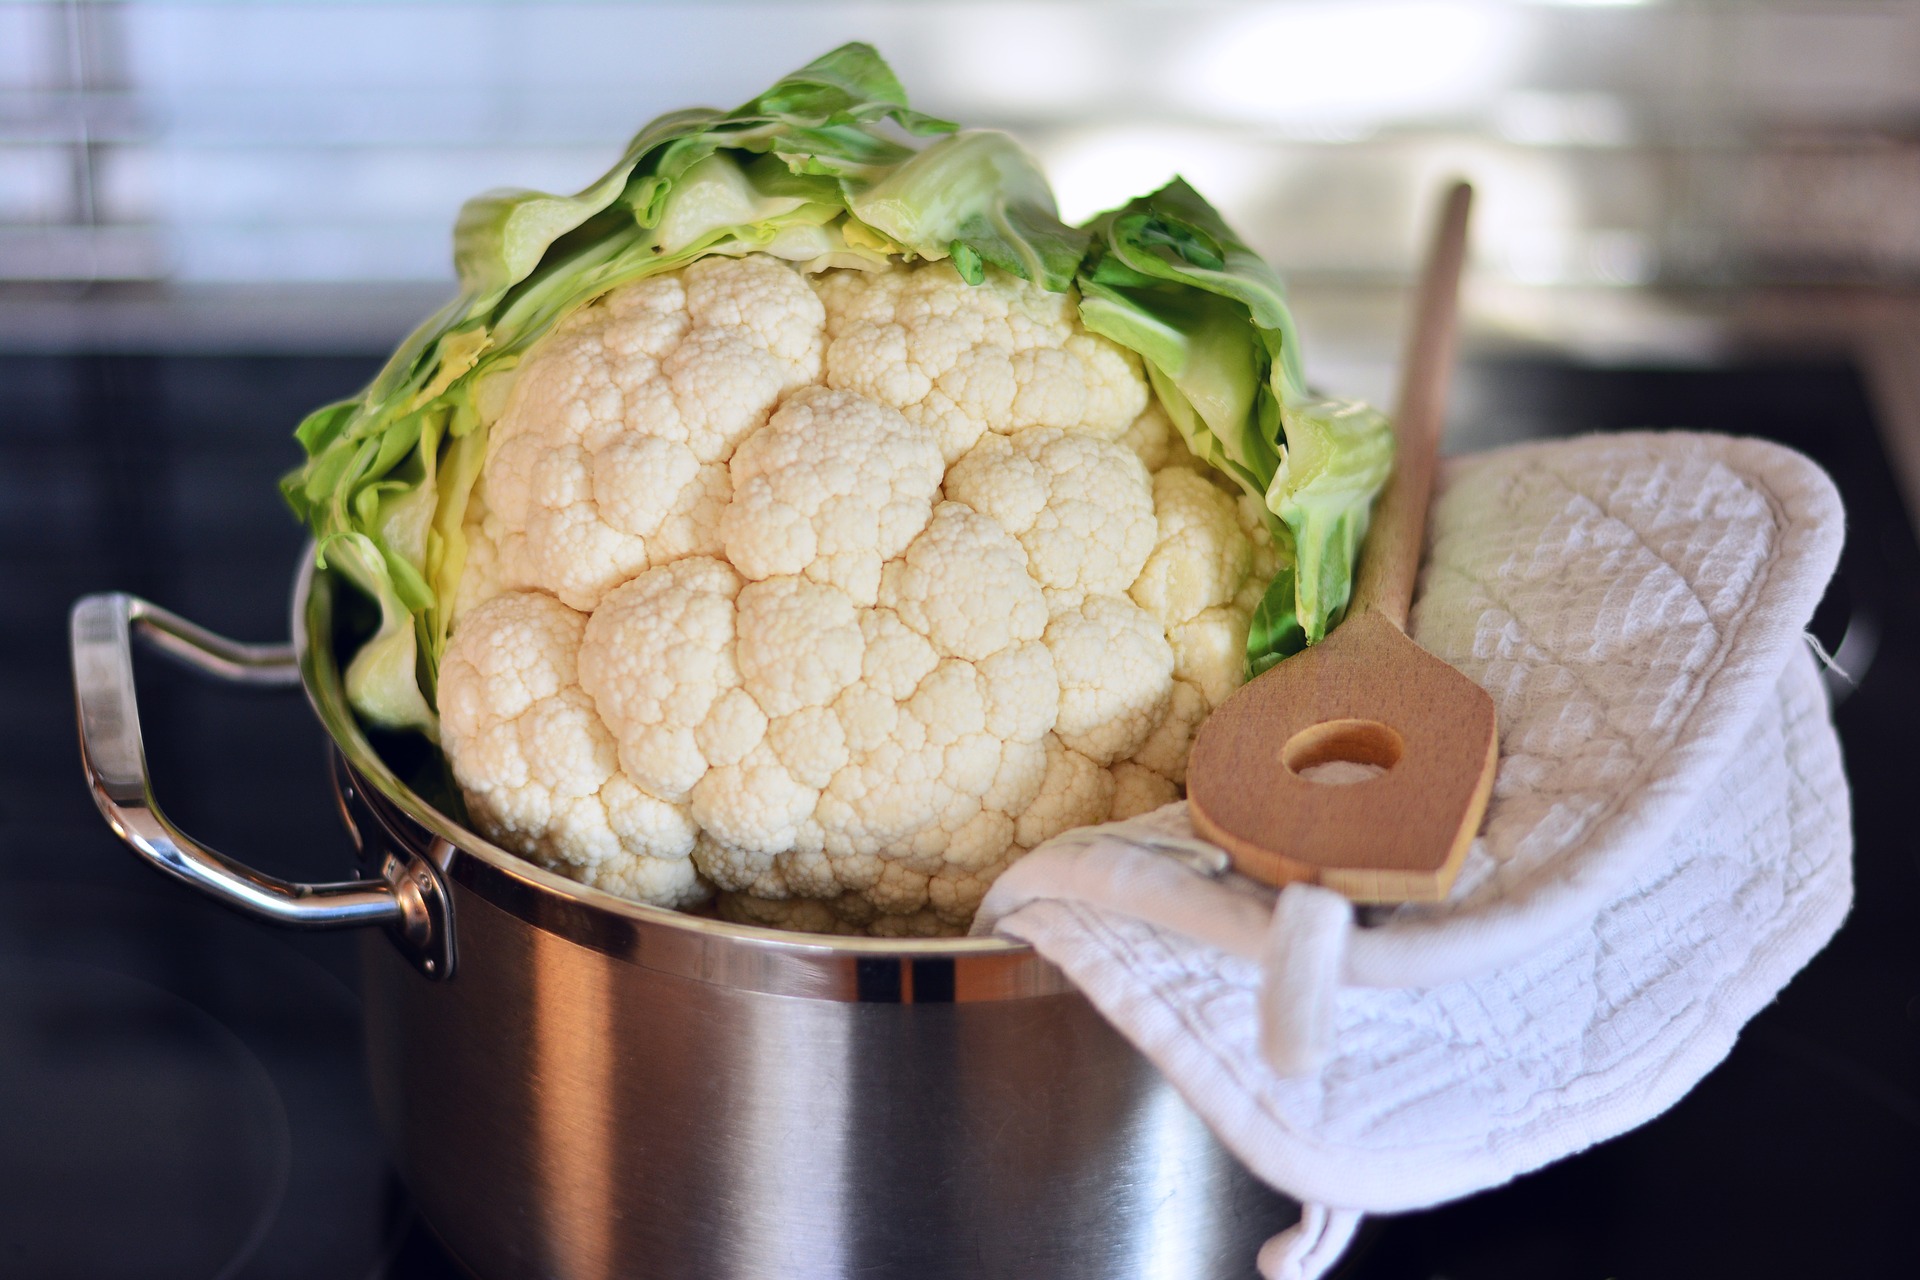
x: 216, y: 176
x: 216, y: 216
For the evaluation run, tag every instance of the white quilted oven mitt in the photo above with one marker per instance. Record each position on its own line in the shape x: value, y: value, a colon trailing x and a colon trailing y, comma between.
x: 1667, y: 844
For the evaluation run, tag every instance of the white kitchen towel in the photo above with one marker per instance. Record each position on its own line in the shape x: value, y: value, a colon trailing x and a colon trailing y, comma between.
x: 1667, y: 843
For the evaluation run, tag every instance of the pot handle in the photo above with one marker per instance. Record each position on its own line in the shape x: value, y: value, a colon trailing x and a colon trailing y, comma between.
x: 116, y: 768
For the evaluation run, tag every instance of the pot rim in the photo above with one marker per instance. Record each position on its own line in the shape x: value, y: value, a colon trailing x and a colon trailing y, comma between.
x: 887, y: 970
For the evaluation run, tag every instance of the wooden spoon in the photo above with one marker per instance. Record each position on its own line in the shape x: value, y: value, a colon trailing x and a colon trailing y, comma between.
x: 1366, y: 695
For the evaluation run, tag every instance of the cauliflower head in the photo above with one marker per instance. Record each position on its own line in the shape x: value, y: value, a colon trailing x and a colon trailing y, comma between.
x: 834, y: 593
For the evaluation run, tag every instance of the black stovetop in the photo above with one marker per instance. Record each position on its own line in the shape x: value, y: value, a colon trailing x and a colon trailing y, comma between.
x: 181, y: 1092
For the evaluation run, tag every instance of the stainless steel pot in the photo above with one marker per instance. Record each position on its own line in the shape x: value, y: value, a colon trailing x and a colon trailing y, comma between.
x: 575, y: 1085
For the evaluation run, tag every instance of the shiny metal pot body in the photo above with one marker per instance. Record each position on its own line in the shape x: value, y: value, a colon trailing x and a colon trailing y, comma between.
x: 578, y: 1086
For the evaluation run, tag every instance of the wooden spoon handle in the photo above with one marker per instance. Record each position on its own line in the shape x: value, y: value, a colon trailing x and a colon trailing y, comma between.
x: 1391, y: 557
x: 1367, y: 694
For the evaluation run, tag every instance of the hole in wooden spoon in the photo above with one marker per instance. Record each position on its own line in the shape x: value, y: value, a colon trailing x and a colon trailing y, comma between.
x: 1342, y: 752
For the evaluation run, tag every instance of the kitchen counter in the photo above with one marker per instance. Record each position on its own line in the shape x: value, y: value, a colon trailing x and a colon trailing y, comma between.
x: 182, y: 1088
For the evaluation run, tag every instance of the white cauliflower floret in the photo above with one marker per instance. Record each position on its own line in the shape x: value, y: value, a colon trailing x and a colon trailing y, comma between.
x: 964, y: 585
x: 836, y: 595
x: 537, y: 765
x: 1210, y: 650
x: 1116, y: 676
x: 832, y: 487
x: 754, y: 806
x: 1137, y: 790
x: 1266, y: 556
x: 1074, y: 792
x: 1165, y: 750
x: 657, y: 658
x: 1154, y: 441
x: 1081, y: 507
x: 611, y: 453
x: 1201, y: 560
x: 799, y: 644
x: 920, y: 759
x: 964, y: 359
x: 1022, y: 688
x: 1200, y: 555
